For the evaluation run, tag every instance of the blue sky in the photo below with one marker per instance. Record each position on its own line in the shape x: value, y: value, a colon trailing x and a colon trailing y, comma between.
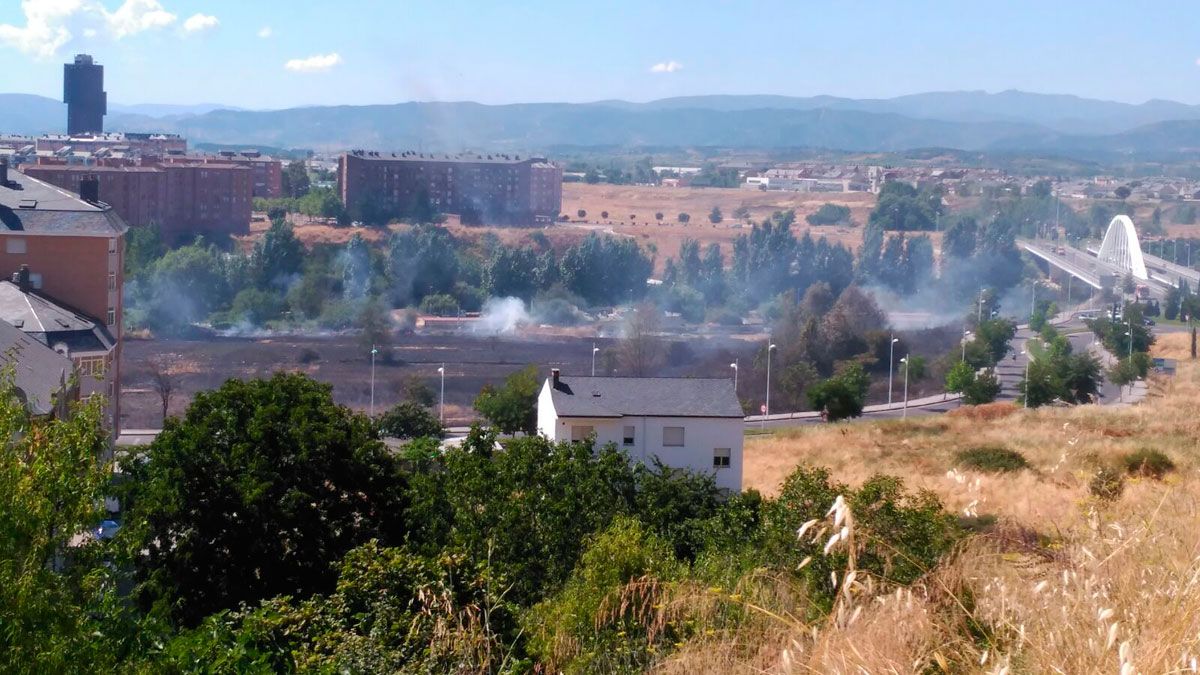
x: 237, y: 52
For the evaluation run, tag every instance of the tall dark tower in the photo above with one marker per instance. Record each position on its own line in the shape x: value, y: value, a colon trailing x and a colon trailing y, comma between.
x: 83, y: 92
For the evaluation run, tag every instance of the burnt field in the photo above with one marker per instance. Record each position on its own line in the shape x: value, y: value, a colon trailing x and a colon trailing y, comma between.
x: 344, y: 362
x: 472, y: 361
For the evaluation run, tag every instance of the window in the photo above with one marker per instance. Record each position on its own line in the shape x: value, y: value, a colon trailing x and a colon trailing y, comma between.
x: 91, y: 366
x: 112, y: 281
x: 672, y: 437
x: 112, y: 245
x: 721, y: 457
x: 14, y: 245
x: 110, y: 317
x: 35, y: 279
x: 627, y: 436
x: 581, y: 433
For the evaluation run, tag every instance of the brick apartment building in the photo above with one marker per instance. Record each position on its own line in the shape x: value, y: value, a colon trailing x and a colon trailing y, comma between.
x: 488, y: 188
x: 268, y: 171
x: 137, y: 143
x: 182, y: 198
x: 72, y: 251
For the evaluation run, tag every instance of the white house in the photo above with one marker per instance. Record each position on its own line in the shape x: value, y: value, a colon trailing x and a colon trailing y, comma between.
x: 694, y: 424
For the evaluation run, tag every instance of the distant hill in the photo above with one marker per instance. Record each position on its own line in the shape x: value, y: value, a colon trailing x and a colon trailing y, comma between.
x: 1010, y: 121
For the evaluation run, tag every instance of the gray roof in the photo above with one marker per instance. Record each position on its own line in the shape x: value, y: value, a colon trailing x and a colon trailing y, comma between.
x: 50, y: 323
x: 30, y: 205
x: 644, y: 396
x: 38, y: 372
x: 455, y: 158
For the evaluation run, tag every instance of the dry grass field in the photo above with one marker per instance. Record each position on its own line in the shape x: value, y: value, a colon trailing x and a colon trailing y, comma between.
x: 1062, y: 580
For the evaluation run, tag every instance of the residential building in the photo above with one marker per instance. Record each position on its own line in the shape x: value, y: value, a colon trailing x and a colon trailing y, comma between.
x: 183, y: 198
x: 83, y: 92
x: 495, y: 188
x: 41, y: 377
x: 88, y: 345
x: 73, y: 247
x: 267, y: 171
x: 690, y: 423
x: 137, y: 144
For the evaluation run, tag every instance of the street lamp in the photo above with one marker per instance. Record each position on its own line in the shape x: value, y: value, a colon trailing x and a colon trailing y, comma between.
x: 891, y: 367
x: 374, y: 351
x: 442, y: 400
x: 1033, y: 299
x: 734, y: 365
x: 1028, y: 358
x: 905, y: 362
x: 979, y: 316
x: 966, y: 334
x: 770, y: 348
x: 595, y: 350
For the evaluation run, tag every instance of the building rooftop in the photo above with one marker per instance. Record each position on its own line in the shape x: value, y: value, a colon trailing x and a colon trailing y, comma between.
x: 50, y: 323
x: 644, y: 396
x: 469, y: 157
x: 37, y: 371
x: 30, y: 205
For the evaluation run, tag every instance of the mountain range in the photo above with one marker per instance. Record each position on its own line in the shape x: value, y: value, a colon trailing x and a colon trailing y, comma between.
x: 1004, y: 122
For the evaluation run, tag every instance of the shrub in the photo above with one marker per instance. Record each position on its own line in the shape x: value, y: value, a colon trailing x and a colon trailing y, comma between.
x: 409, y: 420
x: 308, y: 355
x: 440, y: 304
x: 683, y: 217
x: 1107, y: 485
x: 991, y: 459
x: 581, y: 213
x: 1148, y: 463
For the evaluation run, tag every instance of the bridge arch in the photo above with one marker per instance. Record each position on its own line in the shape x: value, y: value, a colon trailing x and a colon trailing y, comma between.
x: 1121, y: 248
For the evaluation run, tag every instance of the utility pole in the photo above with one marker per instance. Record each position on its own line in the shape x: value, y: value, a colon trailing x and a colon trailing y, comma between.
x: 374, y: 351
x: 891, y: 367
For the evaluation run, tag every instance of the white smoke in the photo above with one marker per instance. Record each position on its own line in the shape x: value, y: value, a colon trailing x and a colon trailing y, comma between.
x: 502, y: 316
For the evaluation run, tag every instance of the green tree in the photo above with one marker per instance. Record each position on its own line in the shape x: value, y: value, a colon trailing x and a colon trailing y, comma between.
x: 53, y: 479
x: 715, y: 216
x: 842, y: 395
x: 256, y: 492
x: 829, y: 214
x: 295, y: 179
x: 983, y: 388
x: 143, y: 246
x: 278, y: 256
x: 512, y: 407
x: 683, y: 217
x: 410, y: 420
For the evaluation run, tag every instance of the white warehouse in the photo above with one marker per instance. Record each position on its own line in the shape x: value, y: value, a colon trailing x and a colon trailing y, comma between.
x: 686, y: 423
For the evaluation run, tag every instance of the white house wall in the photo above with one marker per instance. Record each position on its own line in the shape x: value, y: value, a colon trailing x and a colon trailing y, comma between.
x: 701, y: 436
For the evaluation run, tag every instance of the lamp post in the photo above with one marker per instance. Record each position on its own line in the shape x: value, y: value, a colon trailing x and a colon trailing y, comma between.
x: 891, y: 367
x: 374, y: 351
x: 905, y: 362
x: 442, y: 398
x: 1033, y: 299
x: 767, y: 412
x: 1028, y: 358
x: 966, y: 334
x: 734, y: 365
x: 979, y: 315
x: 595, y: 350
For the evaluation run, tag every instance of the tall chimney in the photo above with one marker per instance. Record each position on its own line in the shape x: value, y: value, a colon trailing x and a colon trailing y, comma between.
x: 554, y: 373
x: 89, y: 189
x: 4, y: 172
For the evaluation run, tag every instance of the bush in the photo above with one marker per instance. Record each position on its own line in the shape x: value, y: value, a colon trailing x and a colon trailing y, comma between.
x: 581, y: 213
x: 991, y: 459
x: 440, y: 304
x: 1107, y: 485
x: 683, y: 217
x: 829, y: 214
x: 1148, y: 463
x: 409, y: 420
x: 308, y: 355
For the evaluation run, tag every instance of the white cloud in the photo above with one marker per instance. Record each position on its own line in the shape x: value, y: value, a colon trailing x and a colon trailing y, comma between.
x: 265, y: 32
x: 197, y: 23
x: 133, y: 16
x: 52, y: 24
x: 314, y: 64
x: 666, y: 67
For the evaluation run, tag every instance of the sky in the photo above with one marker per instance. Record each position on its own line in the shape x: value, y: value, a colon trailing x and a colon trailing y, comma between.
x: 264, y: 54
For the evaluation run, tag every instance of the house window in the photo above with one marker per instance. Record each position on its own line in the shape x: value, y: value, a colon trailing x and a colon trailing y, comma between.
x: 110, y: 317
x: 672, y: 437
x: 35, y: 280
x: 112, y: 245
x: 721, y: 458
x: 580, y: 433
x: 627, y: 436
x: 14, y: 245
x: 91, y: 366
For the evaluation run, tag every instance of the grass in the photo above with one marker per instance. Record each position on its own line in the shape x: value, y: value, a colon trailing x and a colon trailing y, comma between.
x: 1071, y: 569
x: 990, y: 459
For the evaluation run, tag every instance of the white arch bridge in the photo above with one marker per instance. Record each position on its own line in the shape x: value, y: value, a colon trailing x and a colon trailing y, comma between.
x: 1119, y: 254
